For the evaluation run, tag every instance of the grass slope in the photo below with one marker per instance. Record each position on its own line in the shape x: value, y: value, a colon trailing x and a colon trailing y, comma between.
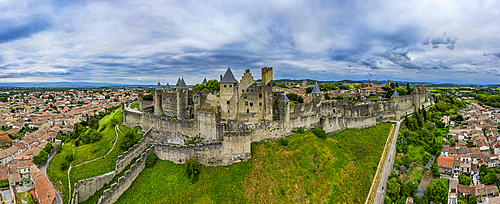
x: 85, y: 153
x: 339, y: 169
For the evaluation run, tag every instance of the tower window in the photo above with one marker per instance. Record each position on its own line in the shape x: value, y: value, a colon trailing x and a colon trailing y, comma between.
x: 225, y: 86
x: 228, y: 102
x: 242, y: 91
x: 260, y: 103
x: 246, y: 103
x: 227, y: 111
x: 248, y: 111
x: 230, y: 85
x: 251, y: 104
x: 260, y: 95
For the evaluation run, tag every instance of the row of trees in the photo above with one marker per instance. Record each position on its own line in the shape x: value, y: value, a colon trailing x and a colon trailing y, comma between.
x: 212, y: 85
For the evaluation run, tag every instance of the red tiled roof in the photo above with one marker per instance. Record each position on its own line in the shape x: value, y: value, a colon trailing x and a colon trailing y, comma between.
x: 445, y: 162
x: 46, y: 194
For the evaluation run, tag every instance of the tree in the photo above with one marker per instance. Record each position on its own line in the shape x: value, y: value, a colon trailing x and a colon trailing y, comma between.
x: 69, y: 157
x: 483, y: 169
x: 58, y: 148
x: 464, y: 180
x: 93, y: 123
x: 472, y: 199
x: 309, y: 89
x: 393, y: 188
x: 64, y: 165
x: 327, y: 97
x: 435, y: 170
x: 438, y: 192
x: 406, y: 159
x: 295, y: 97
x: 41, y: 157
x: 408, y: 88
x: 48, y: 147
x: 213, y: 85
x: 193, y: 168
x: 148, y: 97
x: 95, y: 136
x: 199, y: 87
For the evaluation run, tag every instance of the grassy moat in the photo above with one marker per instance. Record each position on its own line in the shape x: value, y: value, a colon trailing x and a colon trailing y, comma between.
x: 339, y: 169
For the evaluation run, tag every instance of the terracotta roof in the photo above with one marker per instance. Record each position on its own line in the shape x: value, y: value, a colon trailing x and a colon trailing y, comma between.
x: 3, y: 173
x: 494, y: 200
x: 445, y: 162
x: 46, y: 194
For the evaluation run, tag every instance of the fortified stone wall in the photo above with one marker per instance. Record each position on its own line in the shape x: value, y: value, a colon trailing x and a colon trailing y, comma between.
x: 112, y: 194
x: 144, y: 104
x: 169, y: 103
x: 131, y: 119
x: 133, y: 152
x: 84, y: 189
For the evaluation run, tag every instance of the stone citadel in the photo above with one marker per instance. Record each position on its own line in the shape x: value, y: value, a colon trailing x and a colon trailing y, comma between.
x: 218, y: 127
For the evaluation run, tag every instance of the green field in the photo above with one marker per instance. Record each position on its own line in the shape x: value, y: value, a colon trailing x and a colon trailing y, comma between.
x: 339, y: 169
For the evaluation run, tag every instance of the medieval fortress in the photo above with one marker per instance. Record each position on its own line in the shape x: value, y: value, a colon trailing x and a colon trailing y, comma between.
x: 218, y: 127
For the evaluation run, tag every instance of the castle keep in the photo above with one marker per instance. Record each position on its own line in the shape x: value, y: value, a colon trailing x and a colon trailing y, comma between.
x: 218, y: 127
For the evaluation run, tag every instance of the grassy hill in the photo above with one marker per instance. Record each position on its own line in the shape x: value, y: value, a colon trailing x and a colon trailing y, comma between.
x: 339, y: 169
x: 88, y: 152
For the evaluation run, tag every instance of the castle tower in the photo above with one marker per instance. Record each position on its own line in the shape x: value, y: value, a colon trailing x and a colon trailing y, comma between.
x: 398, y: 112
x: 304, y: 84
x: 394, y: 99
x: 140, y: 93
x: 267, y: 93
x: 168, y: 88
x: 157, y: 99
x: 316, y: 94
x: 283, y: 108
x: 182, y: 99
x: 204, y: 81
x: 229, y: 96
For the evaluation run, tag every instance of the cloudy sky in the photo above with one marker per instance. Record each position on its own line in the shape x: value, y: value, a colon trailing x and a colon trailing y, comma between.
x: 137, y: 42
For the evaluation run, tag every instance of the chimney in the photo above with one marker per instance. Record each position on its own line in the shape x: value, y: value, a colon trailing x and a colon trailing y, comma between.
x: 221, y: 77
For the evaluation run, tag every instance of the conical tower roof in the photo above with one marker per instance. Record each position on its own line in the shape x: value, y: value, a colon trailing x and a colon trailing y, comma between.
x: 283, y: 98
x: 204, y: 81
x: 395, y: 94
x: 168, y: 88
x: 178, y: 82
x: 182, y: 84
x: 316, y: 89
x: 397, y: 107
x: 228, y: 77
x: 158, y: 86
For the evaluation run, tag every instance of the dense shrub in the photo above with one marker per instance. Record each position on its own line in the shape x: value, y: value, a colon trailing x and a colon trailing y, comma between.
x: 193, y: 168
x: 284, y: 142
x: 299, y: 130
x: 58, y: 148
x: 151, y: 160
x: 77, y: 142
x: 320, y: 133
x: 295, y: 97
x: 131, y: 138
x: 64, y: 165
x: 69, y: 157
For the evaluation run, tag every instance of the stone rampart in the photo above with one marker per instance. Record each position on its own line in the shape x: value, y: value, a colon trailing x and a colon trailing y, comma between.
x: 144, y: 104
x: 117, y: 189
x: 84, y: 189
x: 133, y: 152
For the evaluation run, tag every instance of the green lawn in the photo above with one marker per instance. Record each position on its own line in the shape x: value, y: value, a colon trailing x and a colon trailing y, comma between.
x: 339, y: 169
x: 25, y: 198
x: 415, y: 172
x: 135, y: 105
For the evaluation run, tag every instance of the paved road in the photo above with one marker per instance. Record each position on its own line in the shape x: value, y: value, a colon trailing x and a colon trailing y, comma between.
x: 43, y: 168
x: 386, y: 171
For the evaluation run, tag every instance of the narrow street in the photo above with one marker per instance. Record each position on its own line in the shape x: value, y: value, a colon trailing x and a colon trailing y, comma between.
x: 43, y: 168
x: 389, y: 162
